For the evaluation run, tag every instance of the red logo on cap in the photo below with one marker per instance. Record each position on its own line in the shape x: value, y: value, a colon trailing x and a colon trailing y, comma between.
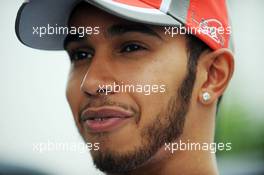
x: 212, y: 27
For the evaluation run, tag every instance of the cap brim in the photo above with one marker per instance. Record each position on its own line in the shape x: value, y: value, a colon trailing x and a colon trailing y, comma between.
x: 35, y: 14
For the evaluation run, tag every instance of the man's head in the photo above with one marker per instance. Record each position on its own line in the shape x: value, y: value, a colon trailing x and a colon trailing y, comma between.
x: 134, y: 84
x: 136, y: 126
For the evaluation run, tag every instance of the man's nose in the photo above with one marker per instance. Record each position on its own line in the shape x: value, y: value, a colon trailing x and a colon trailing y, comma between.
x: 97, y: 78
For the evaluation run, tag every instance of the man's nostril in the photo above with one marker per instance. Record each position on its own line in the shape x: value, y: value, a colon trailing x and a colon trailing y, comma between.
x: 104, y: 90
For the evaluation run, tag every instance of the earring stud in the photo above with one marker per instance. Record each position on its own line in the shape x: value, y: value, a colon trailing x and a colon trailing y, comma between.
x: 206, y: 96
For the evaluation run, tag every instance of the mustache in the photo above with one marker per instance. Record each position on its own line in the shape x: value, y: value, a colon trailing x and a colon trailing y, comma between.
x: 106, y: 101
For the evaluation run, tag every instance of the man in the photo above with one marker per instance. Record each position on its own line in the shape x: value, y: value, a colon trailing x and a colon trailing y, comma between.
x: 133, y: 44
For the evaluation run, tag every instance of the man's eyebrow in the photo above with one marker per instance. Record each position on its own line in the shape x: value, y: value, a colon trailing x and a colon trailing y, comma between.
x: 120, y: 29
x: 72, y: 38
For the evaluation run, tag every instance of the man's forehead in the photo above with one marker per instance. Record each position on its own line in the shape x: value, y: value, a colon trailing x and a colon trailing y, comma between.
x: 85, y: 13
x: 115, y: 30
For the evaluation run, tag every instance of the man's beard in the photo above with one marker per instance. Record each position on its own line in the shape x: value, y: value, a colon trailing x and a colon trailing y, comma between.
x: 165, y: 128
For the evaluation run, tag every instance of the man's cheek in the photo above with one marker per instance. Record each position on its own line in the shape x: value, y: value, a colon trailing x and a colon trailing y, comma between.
x: 149, y: 110
x: 73, y: 99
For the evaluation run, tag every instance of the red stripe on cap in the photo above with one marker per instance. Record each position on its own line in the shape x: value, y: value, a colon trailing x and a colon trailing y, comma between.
x: 153, y: 3
x: 206, y: 15
x: 142, y: 3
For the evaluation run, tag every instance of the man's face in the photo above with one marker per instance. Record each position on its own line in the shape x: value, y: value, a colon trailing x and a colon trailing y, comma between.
x: 135, y: 125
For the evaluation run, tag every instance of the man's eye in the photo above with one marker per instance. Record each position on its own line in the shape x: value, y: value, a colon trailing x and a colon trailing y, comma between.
x: 81, y: 55
x: 132, y: 48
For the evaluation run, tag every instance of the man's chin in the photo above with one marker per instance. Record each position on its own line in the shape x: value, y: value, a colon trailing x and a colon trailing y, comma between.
x: 115, y: 161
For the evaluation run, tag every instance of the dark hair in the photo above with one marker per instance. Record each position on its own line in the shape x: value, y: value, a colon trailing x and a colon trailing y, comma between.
x: 195, y: 47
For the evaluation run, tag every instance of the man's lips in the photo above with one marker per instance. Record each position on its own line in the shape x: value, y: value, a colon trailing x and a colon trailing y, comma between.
x: 104, y: 119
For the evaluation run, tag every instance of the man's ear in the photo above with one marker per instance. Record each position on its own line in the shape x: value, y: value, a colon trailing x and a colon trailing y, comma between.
x: 217, y: 68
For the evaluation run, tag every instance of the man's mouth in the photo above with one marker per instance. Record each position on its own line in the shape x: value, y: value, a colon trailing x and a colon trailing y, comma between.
x: 105, y: 119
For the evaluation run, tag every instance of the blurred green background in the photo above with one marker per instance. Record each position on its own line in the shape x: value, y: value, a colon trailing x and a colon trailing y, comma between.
x: 235, y: 124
